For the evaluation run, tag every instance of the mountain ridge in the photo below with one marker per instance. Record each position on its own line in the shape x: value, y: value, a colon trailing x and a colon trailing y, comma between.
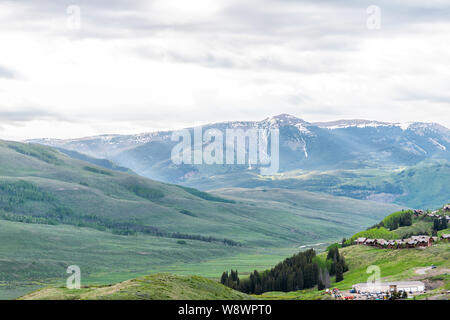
x: 145, y: 137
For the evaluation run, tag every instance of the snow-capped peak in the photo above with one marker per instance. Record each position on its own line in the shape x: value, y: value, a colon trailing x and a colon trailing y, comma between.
x: 356, y: 123
x: 284, y: 119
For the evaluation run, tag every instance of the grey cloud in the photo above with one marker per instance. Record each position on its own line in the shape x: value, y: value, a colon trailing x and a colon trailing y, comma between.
x: 311, y: 64
x: 27, y: 114
x: 118, y: 18
x: 6, y: 73
x: 427, y: 97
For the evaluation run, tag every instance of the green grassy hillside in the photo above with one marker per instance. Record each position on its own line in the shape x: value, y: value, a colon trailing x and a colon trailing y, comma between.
x: 311, y: 213
x: 401, y: 225
x: 395, y: 265
x: 56, y: 211
x: 154, y: 287
x: 40, y: 185
x: 424, y: 185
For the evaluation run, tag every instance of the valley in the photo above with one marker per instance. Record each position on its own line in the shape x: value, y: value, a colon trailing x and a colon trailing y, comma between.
x: 86, y: 202
x: 57, y: 211
x: 428, y: 265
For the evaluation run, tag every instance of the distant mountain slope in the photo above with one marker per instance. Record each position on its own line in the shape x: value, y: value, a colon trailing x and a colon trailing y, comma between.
x: 154, y: 287
x: 41, y: 185
x: 343, y: 144
x: 424, y: 185
x: 329, y: 153
x: 99, y: 162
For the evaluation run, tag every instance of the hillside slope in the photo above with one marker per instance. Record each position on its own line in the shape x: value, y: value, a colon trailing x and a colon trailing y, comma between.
x: 154, y: 287
x: 423, y: 185
x: 430, y: 264
x: 56, y: 211
x: 41, y: 185
x: 395, y: 265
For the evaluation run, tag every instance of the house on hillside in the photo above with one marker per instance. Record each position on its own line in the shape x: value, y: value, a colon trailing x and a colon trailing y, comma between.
x: 422, y: 241
x: 445, y: 236
x: 419, y: 212
x: 411, y: 243
x: 380, y: 243
x: 388, y: 287
x: 391, y: 244
x: 447, y: 207
x: 401, y: 244
x: 361, y: 240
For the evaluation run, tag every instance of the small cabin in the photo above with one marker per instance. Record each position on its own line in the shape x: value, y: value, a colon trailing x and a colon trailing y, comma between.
x: 445, y: 236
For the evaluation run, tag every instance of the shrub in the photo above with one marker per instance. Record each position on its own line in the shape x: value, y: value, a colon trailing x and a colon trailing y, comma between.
x: 97, y: 170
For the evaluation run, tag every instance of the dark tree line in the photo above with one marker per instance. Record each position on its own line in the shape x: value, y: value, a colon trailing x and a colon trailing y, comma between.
x: 301, y: 271
x: 336, y: 263
x: 38, y: 152
x: 13, y: 194
x: 16, y: 193
x: 398, y: 219
x: 440, y: 224
x: 395, y: 220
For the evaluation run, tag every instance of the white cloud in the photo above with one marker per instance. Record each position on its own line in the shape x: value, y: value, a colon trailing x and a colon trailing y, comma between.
x: 139, y: 66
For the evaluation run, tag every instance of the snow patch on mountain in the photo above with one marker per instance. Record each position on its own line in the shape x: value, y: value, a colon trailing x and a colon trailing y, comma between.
x: 356, y: 123
x: 437, y: 144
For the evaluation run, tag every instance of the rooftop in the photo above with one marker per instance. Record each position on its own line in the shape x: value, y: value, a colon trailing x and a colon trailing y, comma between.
x: 394, y: 283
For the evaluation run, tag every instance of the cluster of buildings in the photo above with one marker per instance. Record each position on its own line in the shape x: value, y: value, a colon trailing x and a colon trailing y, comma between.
x: 412, y: 242
x: 389, y: 287
x: 434, y: 214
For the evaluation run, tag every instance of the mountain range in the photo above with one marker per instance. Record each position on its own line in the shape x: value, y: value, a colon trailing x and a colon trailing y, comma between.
x: 361, y: 159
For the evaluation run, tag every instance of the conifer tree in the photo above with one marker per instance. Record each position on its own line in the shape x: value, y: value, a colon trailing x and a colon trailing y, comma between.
x: 339, y: 272
x: 224, y: 278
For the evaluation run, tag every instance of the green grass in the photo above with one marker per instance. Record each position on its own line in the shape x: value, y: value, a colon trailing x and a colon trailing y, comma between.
x: 50, y: 185
x: 153, y: 287
x: 40, y: 254
x: 424, y: 185
x: 375, y: 233
x: 445, y: 231
x: 395, y: 265
x: 33, y: 255
x: 129, y: 202
x: 418, y: 227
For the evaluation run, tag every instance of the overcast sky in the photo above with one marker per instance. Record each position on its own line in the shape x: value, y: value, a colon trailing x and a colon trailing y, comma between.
x: 135, y: 66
